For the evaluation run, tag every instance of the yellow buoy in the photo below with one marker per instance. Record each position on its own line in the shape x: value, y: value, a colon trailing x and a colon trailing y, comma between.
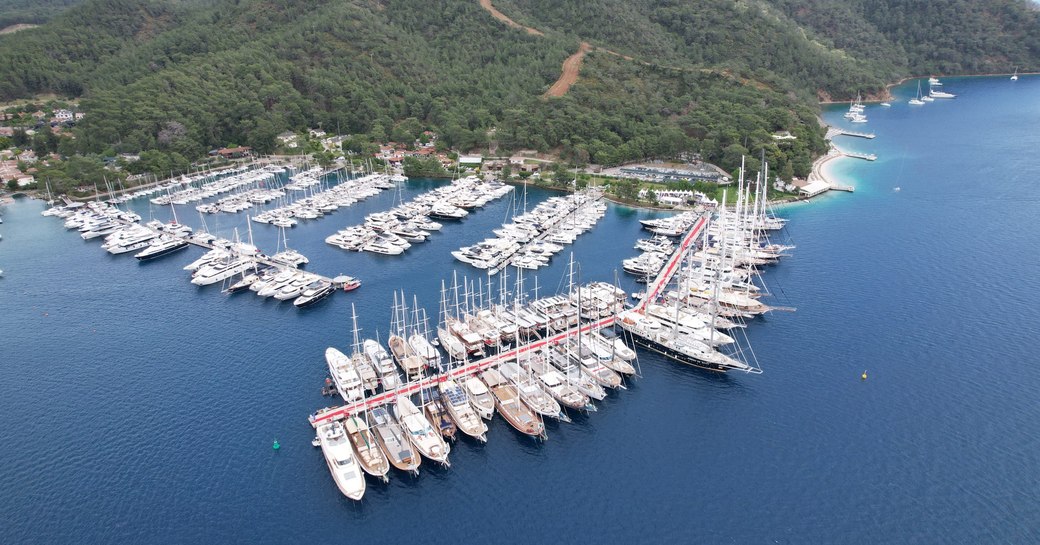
x: 864, y: 375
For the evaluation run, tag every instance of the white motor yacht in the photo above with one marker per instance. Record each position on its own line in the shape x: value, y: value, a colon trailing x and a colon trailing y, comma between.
x: 344, y: 375
x: 161, y: 246
x: 480, y: 396
x: 383, y: 363
x: 339, y: 456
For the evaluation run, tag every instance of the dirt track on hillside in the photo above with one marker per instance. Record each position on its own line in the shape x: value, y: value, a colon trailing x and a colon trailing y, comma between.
x: 15, y: 28
x: 486, y: 4
x: 572, y: 65
x: 571, y: 68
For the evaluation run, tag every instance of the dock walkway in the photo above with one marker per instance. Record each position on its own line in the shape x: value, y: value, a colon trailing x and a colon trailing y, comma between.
x: 864, y: 156
x: 835, y: 131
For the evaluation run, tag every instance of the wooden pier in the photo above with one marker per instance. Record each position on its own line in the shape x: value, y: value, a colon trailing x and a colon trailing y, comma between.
x: 653, y: 289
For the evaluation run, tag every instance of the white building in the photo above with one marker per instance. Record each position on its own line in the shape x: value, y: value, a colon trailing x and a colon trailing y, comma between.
x: 289, y: 140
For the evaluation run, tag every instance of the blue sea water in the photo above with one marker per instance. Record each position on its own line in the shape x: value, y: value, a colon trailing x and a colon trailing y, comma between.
x: 136, y: 407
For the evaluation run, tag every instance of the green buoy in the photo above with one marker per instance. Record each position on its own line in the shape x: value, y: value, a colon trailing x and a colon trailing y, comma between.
x: 276, y: 446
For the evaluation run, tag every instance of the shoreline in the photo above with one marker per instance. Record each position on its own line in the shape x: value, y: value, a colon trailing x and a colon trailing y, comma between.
x: 889, y: 86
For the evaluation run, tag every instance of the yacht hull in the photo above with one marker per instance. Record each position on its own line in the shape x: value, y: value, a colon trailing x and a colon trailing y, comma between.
x: 676, y: 355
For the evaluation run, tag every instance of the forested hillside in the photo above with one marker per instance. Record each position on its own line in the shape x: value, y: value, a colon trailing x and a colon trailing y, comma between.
x: 936, y: 37
x: 714, y: 76
x: 14, y: 12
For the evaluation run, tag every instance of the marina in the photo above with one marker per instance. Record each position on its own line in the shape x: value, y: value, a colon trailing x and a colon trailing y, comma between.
x: 531, y: 359
x: 563, y: 353
x: 883, y: 383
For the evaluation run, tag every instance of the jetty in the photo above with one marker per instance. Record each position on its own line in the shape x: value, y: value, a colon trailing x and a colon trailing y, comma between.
x: 864, y: 156
x: 835, y: 131
x: 408, y: 388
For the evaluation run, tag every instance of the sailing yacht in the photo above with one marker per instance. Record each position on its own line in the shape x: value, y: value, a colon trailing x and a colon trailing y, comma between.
x: 391, y: 438
x: 574, y: 373
x: 653, y: 335
x: 369, y: 456
x: 412, y: 363
x: 458, y: 406
x: 422, y: 347
x: 1014, y: 77
x: 509, y: 405
x: 917, y: 100
x: 452, y: 345
x: 437, y: 413
x: 420, y: 432
x: 243, y: 283
x: 406, y: 358
x: 609, y: 339
x: 607, y: 354
x: 591, y: 364
x: 531, y: 392
x: 341, y: 461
